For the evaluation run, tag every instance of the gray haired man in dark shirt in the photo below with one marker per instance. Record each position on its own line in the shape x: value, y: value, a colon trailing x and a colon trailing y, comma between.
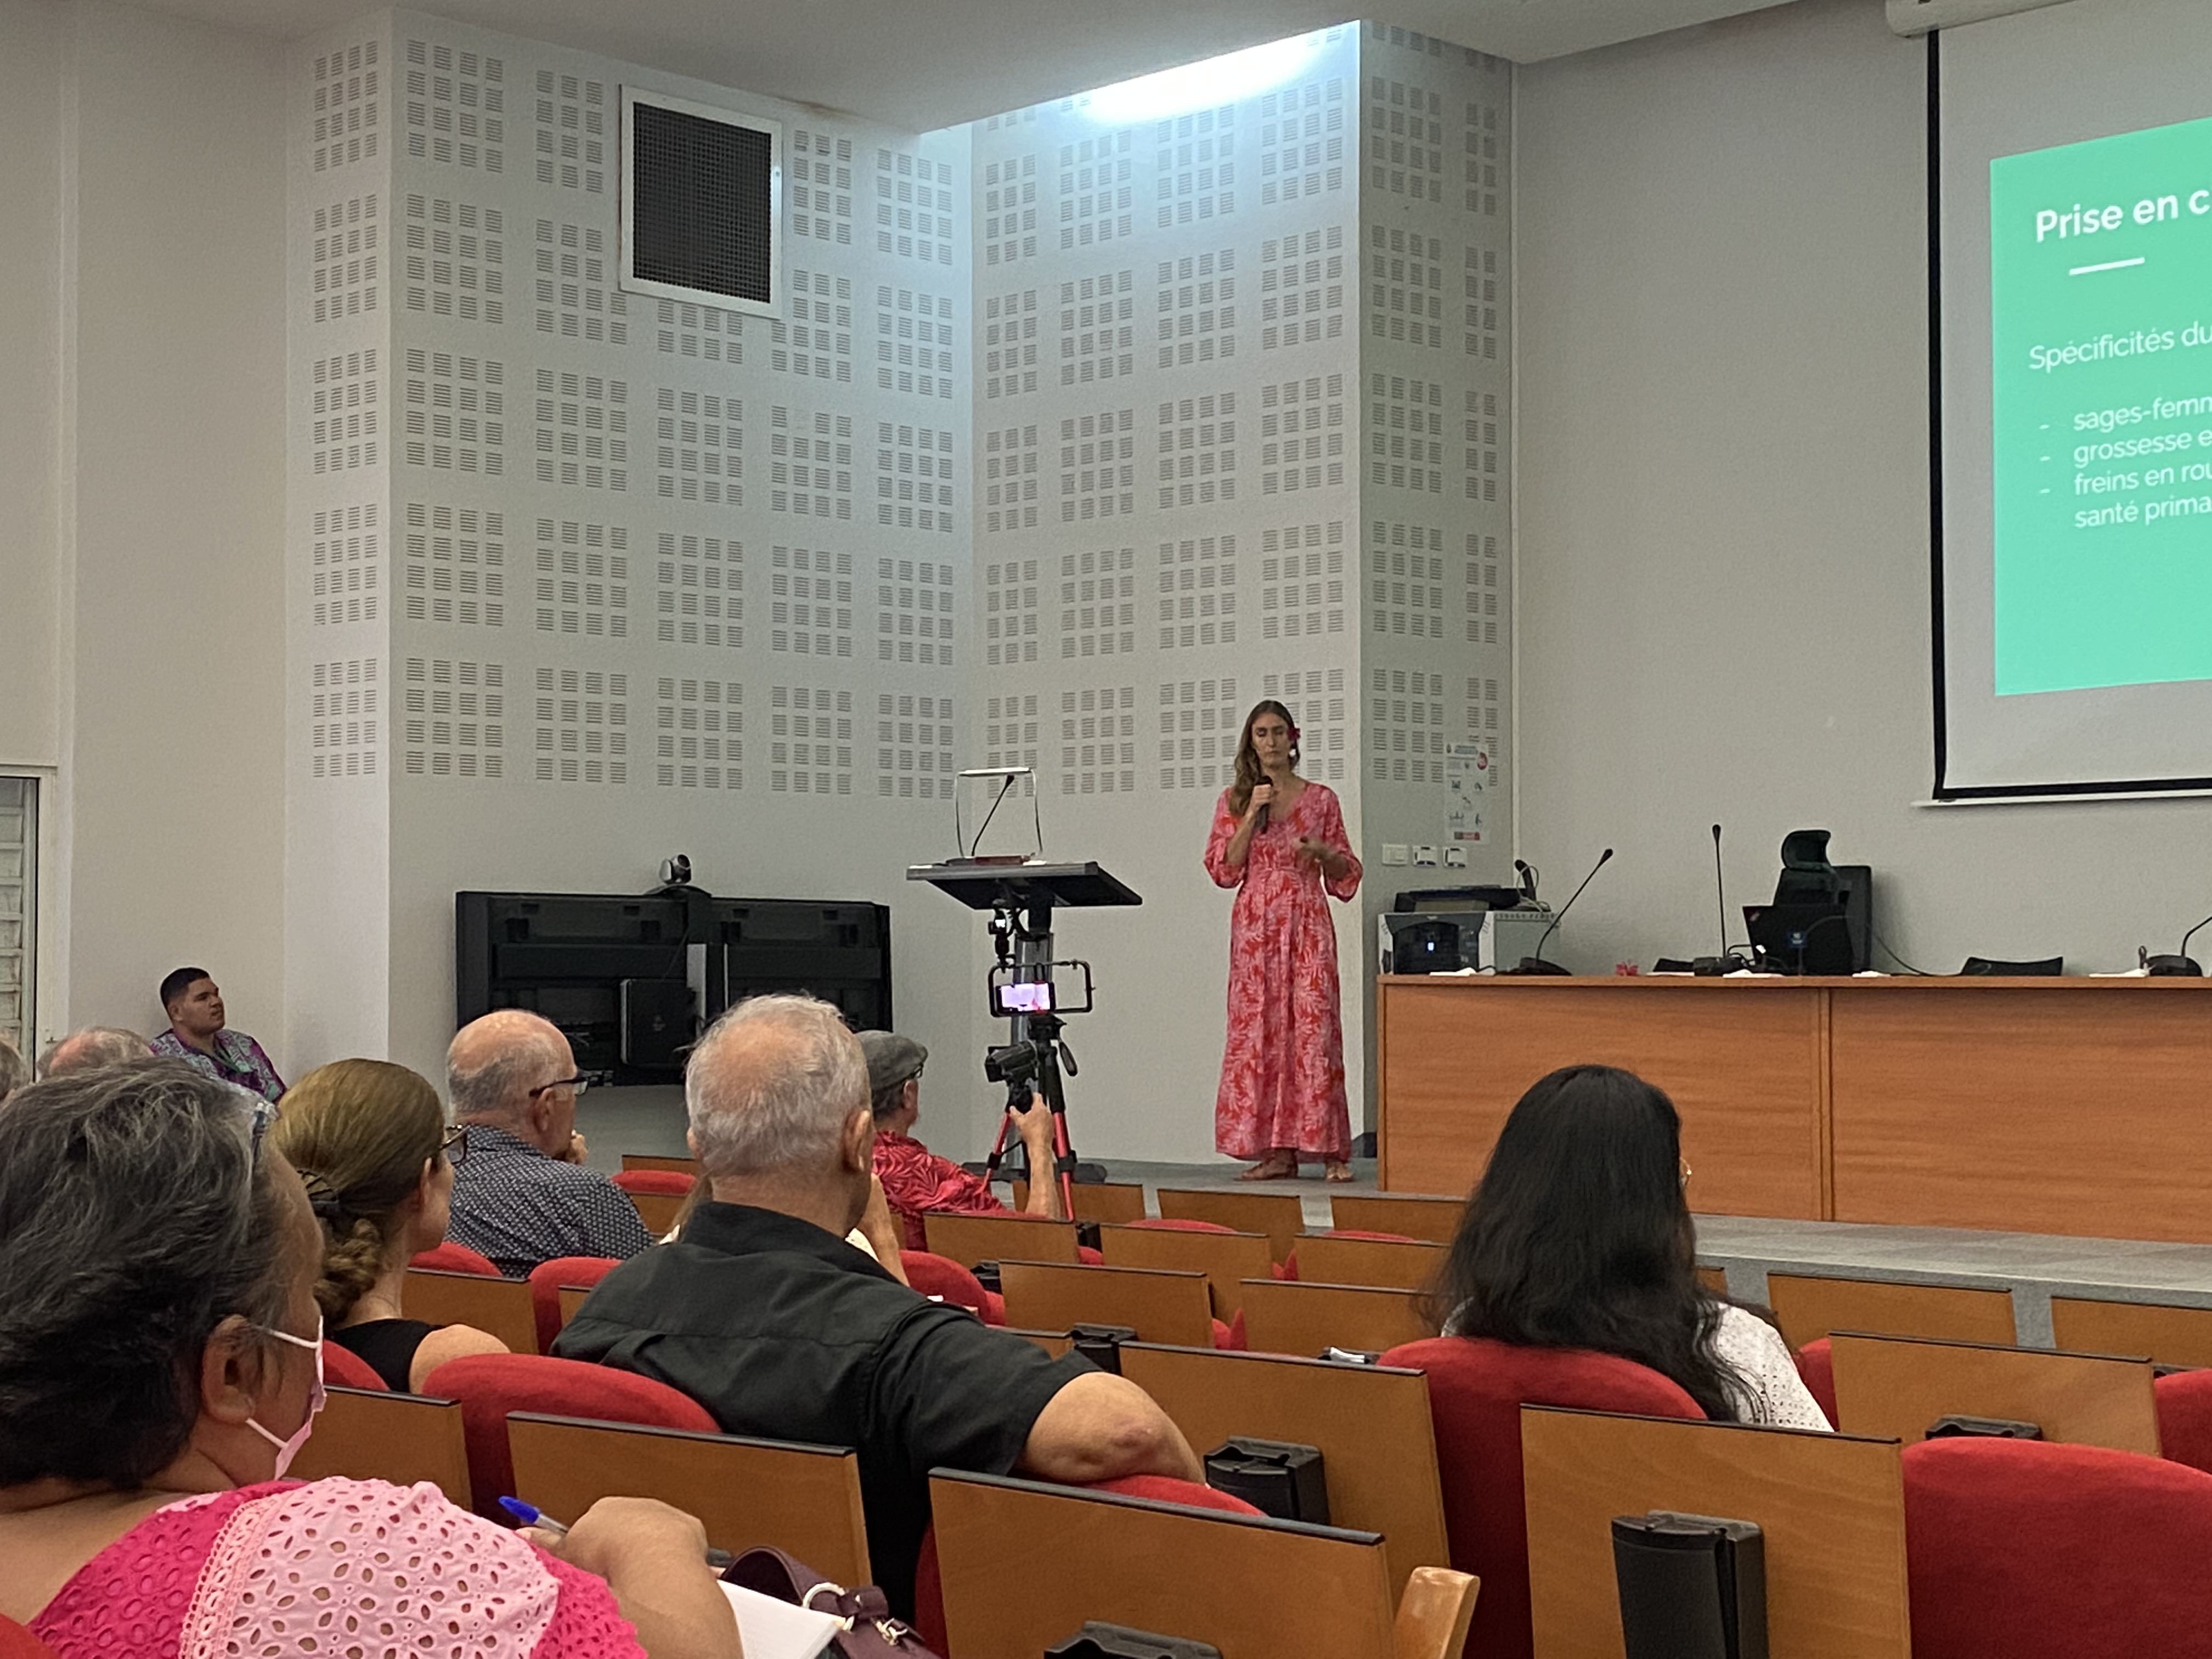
x: 764, y: 1315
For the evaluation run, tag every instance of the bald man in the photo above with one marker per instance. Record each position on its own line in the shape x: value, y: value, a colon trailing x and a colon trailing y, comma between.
x: 763, y: 1313
x: 523, y: 1195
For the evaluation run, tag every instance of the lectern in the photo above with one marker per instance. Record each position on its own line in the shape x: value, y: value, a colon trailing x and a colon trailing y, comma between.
x: 1022, y: 894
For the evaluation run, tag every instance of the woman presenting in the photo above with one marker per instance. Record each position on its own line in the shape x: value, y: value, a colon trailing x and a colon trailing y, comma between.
x: 1279, y: 840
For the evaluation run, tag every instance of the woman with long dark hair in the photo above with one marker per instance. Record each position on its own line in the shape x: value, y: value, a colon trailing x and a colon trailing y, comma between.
x: 1279, y: 839
x: 1579, y: 1236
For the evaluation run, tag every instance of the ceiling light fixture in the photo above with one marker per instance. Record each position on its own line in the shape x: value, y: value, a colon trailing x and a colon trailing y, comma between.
x: 1223, y: 80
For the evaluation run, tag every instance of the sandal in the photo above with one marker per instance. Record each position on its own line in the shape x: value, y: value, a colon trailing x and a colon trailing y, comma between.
x: 1271, y: 1167
x: 1338, y: 1172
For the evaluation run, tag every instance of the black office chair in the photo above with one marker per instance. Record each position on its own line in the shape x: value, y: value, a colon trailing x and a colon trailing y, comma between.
x: 1990, y: 965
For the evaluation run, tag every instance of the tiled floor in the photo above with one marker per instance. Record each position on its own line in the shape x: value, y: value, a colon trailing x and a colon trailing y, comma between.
x: 2034, y: 1266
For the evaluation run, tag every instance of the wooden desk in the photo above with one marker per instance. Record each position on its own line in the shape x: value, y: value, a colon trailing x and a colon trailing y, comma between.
x: 2061, y: 1105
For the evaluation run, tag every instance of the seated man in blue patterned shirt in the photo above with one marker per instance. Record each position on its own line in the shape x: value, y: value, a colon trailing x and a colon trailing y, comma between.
x: 199, y: 1037
x: 524, y: 1196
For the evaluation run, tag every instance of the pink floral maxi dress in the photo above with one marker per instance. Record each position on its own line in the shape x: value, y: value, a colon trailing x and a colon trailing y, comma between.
x: 1282, y: 1067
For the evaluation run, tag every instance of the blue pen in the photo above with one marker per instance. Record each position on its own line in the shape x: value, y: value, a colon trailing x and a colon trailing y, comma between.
x: 530, y: 1516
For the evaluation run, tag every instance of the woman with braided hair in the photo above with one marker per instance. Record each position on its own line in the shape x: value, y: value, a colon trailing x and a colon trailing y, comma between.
x: 369, y: 1140
x: 1279, y: 839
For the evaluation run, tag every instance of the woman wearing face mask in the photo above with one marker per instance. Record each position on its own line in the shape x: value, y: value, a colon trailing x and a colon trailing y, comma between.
x: 160, y: 1367
x: 1279, y: 839
x: 369, y: 1140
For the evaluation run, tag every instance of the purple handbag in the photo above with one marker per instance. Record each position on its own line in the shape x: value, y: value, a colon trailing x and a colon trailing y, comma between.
x: 869, y: 1633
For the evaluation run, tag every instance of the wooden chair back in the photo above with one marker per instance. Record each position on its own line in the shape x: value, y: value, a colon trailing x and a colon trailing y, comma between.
x: 572, y: 1298
x: 1160, y: 1306
x: 1281, y: 1216
x: 969, y: 1239
x: 1832, y: 1507
x: 500, y: 1307
x: 652, y: 1161
x: 1226, y: 1259
x: 805, y: 1499
x: 1054, y: 1343
x: 1330, y: 1259
x: 1809, y: 1306
x: 1116, y: 1201
x: 1371, y: 1424
x: 2171, y: 1336
x: 1415, y: 1215
x: 1898, y: 1385
x: 1295, y: 1317
x: 1434, y: 1611
x: 659, y: 1210
x: 369, y: 1435
x: 1253, y: 1587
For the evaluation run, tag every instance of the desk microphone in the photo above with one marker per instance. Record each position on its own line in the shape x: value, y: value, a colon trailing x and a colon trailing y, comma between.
x: 2177, y: 966
x: 1728, y: 962
x: 1536, y: 963
x: 1527, y: 872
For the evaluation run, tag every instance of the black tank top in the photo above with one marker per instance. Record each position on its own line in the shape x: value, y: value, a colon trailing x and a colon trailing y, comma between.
x: 386, y: 1347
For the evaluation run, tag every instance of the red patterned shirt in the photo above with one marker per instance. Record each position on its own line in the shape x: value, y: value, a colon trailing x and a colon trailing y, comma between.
x: 916, y: 1182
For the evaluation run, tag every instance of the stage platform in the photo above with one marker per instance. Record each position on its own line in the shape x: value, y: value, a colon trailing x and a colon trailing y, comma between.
x: 2034, y: 1266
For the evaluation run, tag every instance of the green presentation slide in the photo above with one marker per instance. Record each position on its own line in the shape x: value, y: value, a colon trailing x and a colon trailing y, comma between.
x: 2100, y: 288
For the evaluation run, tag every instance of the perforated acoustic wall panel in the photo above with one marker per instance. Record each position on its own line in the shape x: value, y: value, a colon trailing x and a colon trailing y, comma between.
x: 585, y: 576
x: 1076, y: 436
x: 1240, y: 375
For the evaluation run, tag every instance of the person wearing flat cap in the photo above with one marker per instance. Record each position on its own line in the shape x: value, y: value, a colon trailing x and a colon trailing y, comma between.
x: 916, y: 1181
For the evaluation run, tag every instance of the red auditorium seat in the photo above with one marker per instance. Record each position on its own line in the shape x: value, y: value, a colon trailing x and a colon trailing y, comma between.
x: 349, y: 1370
x: 675, y: 1182
x: 2185, y: 1418
x: 546, y: 1279
x: 2021, y: 1546
x: 1818, y: 1371
x: 1476, y: 1389
x: 942, y: 1277
x: 928, y: 1585
x: 452, y: 1258
x: 490, y: 1386
x: 16, y: 1641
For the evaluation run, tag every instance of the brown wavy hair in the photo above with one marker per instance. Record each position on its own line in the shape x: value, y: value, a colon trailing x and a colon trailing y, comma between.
x: 1249, y: 773
x: 359, y: 1132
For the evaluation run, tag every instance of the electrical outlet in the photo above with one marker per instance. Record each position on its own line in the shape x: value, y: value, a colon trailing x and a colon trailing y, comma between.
x: 1456, y: 857
x: 1424, y: 855
x: 1393, y: 852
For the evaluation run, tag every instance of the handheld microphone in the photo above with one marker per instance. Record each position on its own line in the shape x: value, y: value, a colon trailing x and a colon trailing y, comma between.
x: 1259, y: 819
x: 2178, y: 966
x: 1727, y: 962
x: 1536, y: 963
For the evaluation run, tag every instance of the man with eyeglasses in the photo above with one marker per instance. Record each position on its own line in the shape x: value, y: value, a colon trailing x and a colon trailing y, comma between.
x: 524, y: 1196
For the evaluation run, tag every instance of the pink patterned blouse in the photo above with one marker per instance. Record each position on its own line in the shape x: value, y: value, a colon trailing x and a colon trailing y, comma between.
x: 357, y: 1567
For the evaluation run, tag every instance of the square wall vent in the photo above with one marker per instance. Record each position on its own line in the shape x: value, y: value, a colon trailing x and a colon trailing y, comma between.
x: 701, y: 204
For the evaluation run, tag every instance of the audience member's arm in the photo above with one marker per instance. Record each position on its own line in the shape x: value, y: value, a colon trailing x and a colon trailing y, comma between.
x: 449, y: 1342
x: 1100, y: 1427
x: 654, y: 1559
x: 1035, y: 1128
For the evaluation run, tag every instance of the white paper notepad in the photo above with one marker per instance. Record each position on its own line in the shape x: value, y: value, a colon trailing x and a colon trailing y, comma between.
x: 776, y: 1630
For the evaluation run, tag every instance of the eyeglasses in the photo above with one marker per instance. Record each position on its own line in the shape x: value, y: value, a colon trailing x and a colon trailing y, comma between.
x: 579, y: 1082
x: 454, y: 1144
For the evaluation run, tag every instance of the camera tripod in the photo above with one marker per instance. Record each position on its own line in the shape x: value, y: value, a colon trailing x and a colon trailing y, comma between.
x: 1021, y: 895
x: 1034, y: 1076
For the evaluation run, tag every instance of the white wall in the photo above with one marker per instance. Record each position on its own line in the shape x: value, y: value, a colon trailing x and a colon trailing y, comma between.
x: 140, y: 437
x: 1723, y: 512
